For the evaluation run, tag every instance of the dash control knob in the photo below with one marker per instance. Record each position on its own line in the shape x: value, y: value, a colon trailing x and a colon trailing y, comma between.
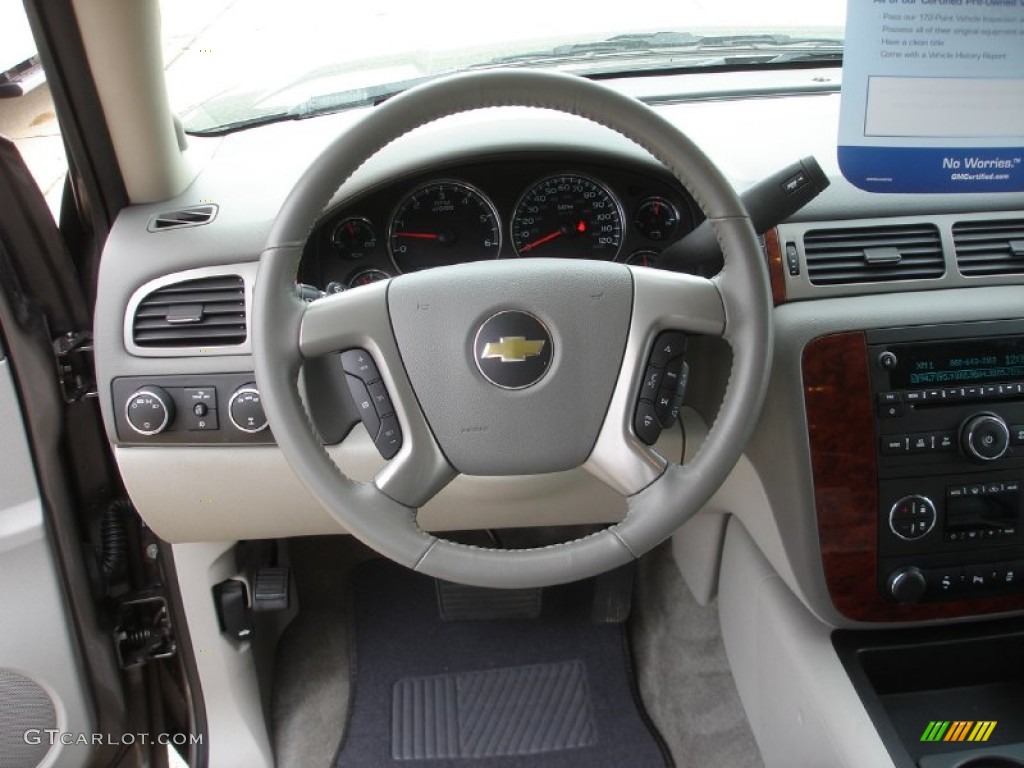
x: 985, y: 437
x: 149, y: 410
x: 907, y: 584
x: 245, y: 409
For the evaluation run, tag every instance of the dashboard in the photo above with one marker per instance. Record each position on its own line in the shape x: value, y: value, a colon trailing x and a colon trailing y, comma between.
x: 814, y: 487
x: 518, y: 205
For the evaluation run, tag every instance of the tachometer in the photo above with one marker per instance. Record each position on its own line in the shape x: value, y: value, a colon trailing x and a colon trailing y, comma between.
x: 442, y: 223
x: 568, y: 216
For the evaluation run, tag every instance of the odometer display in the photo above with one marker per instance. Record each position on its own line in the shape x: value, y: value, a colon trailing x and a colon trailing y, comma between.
x: 442, y: 223
x: 567, y: 216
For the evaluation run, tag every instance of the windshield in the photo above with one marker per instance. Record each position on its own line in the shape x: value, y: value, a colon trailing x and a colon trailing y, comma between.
x: 234, y: 63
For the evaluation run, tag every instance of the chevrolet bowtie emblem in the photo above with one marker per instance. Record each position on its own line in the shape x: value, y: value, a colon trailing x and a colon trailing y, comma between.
x: 512, y: 349
x: 513, y: 336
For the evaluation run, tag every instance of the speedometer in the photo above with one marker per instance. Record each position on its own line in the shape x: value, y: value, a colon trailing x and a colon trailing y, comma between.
x: 568, y: 216
x: 442, y: 223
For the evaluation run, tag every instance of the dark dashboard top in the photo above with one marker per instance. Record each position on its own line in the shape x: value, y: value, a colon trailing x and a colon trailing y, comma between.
x: 564, y: 204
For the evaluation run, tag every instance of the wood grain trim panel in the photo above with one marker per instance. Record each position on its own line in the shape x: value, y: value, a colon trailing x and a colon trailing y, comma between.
x: 840, y: 419
x: 776, y: 269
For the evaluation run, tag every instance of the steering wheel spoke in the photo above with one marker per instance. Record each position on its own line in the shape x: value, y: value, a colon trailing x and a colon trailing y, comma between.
x: 663, y: 302
x: 358, y: 319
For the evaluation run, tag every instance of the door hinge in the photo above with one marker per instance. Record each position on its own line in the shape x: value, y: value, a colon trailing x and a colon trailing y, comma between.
x: 144, y: 631
x: 75, y: 370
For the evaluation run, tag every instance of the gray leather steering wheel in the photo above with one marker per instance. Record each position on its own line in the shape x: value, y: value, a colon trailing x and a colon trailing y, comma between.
x: 601, y: 317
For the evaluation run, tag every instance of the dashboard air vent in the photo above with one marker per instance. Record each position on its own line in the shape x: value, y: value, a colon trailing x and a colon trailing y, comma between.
x: 989, y: 247
x: 874, y: 254
x: 206, y: 312
x: 194, y: 216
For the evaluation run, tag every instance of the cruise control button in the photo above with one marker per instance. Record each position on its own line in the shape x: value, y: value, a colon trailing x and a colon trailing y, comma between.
x: 389, y: 441
x: 652, y: 383
x: 669, y: 344
x: 364, y: 404
x: 381, y: 400
x: 359, y: 363
x: 646, y: 423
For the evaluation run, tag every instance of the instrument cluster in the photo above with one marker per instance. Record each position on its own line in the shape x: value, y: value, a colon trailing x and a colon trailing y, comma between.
x: 540, y: 206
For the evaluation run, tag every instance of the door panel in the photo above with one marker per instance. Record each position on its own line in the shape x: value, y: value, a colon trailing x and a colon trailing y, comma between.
x: 41, y: 683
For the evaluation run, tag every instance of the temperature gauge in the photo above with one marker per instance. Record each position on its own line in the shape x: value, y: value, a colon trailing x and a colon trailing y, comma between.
x: 656, y: 218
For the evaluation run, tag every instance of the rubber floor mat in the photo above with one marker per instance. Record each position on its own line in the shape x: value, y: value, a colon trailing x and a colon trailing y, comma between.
x: 552, y: 691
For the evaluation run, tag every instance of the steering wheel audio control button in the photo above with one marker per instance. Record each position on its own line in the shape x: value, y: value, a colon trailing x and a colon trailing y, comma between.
x: 652, y: 383
x: 646, y: 423
x: 364, y: 405
x: 668, y: 345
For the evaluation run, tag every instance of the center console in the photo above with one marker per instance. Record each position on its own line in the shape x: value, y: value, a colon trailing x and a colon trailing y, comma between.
x: 917, y: 450
x: 949, y: 420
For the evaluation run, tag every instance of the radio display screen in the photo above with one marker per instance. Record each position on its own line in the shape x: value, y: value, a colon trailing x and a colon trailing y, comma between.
x: 979, y: 513
x: 950, y: 364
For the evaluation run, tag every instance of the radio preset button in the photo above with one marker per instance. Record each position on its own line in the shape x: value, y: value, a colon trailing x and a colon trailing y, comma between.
x: 889, y: 398
x: 895, y: 445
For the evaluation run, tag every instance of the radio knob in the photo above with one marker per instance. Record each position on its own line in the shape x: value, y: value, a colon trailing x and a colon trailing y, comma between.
x: 985, y: 437
x: 149, y: 410
x: 907, y: 585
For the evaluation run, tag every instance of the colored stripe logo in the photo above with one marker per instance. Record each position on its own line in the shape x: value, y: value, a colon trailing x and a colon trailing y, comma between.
x: 958, y: 730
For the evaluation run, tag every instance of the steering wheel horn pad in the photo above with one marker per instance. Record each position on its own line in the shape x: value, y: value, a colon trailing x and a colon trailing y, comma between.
x: 485, y: 429
x: 422, y: 330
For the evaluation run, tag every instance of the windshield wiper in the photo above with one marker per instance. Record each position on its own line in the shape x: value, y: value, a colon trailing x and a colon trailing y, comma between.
x: 760, y: 48
x: 320, y: 104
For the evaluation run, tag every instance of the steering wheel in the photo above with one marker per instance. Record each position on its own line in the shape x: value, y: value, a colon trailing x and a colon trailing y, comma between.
x: 425, y: 333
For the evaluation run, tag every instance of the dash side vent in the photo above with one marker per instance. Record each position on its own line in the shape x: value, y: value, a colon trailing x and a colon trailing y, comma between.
x: 205, y: 312
x: 989, y: 247
x: 874, y: 254
x: 193, y: 216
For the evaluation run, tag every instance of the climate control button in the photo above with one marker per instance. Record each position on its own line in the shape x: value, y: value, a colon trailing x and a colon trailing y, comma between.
x: 912, y: 517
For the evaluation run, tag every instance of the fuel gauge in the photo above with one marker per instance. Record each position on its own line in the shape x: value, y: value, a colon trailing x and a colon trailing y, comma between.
x: 656, y: 218
x: 354, y: 238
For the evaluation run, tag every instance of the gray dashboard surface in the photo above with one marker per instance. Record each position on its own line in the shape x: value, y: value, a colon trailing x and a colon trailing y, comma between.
x: 249, y: 174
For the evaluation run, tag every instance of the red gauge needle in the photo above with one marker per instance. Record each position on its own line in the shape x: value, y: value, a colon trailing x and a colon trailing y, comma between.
x: 419, y: 235
x: 540, y: 241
